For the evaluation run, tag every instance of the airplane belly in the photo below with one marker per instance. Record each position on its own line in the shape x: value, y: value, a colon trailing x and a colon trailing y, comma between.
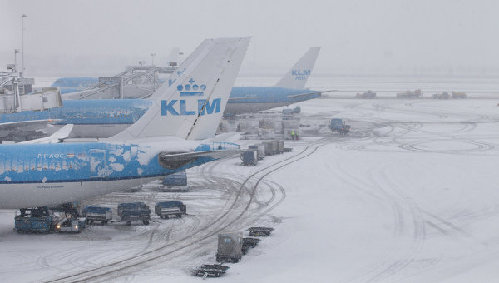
x: 97, y: 131
x: 245, y: 107
x: 24, y: 195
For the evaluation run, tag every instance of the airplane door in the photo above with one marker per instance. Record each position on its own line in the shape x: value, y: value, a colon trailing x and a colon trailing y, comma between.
x: 97, y: 162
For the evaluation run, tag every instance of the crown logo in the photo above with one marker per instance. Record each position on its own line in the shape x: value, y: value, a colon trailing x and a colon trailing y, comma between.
x: 191, y: 89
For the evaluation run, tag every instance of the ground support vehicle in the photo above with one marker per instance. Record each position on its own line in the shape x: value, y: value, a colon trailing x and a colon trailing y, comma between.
x: 410, y: 94
x: 35, y: 220
x: 459, y: 94
x: 97, y: 213
x: 366, y: 95
x: 249, y: 243
x: 261, y: 150
x: 211, y: 270
x: 338, y: 125
x: 230, y: 247
x: 70, y: 224
x: 260, y: 231
x: 443, y: 95
x: 134, y: 211
x: 249, y: 157
x: 165, y: 209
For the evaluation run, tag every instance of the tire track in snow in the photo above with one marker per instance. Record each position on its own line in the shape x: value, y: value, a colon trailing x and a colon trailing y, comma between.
x: 118, y: 268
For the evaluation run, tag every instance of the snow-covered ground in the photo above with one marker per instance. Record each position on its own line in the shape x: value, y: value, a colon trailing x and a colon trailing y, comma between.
x: 409, y: 196
x: 414, y: 201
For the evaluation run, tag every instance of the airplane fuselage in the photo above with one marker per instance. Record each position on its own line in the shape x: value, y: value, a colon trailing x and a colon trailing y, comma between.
x: 254, y: 99
x: 105, y: 117
x: 46, y: 174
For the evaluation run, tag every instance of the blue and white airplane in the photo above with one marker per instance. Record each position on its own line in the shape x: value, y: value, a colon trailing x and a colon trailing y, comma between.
x: 290, y: 89
x: 173, y: 134
x: 107, y: 117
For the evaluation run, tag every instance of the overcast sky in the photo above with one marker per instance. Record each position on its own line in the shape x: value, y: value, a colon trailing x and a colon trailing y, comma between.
x: 357, y: 36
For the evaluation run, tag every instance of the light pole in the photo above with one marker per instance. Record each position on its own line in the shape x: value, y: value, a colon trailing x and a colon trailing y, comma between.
x: 15, y: 60
x: 22, y: 44
x: 152, y: 58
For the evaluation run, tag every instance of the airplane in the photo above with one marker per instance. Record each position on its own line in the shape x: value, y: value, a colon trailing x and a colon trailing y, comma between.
x: 175, y: 133
x: 288, y: 90
x: 106, y: 117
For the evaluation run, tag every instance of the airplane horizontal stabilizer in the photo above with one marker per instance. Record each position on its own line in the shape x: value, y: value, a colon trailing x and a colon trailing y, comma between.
x: 174, y: 161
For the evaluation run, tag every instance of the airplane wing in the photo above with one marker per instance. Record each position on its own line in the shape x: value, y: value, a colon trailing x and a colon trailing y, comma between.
x: 56, y: 137
x: 304, y: 94
x: 175, y: 160
x: 27, y: 130
x: 33, y: 123
x: 242, y: 98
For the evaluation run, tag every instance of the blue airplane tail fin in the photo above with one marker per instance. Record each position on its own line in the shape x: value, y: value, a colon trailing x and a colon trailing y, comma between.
x: 298, y: 75
x: 191, y: 104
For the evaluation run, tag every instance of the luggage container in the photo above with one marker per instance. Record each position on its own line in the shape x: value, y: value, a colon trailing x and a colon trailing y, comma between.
x: 249, y: 157
x: 176, y: 179
x: 230, y: 247
x: 280, y: 146
x: 97, y: 213
x: 260, y: 150
x: 134, y: 211
x: 271, y: 147
x: 165, y: 209
x: 248, y: 126
x: 266, y: 134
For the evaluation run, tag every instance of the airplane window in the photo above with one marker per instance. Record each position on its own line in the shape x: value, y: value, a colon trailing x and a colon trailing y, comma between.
x: 52, y: 166
x: 58, y: 166
x: 45, y: 165
x: 64, y: 165
x: 13, y: 165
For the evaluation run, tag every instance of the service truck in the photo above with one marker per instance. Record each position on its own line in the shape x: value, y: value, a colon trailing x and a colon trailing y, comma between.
x: 165, y: 209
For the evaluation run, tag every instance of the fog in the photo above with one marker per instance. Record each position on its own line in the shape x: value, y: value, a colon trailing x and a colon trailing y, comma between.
x: 401, y: 37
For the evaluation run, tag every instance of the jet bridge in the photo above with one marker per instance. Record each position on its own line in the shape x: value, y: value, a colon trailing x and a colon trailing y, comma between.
x: 17, y: 94
x: 134, y: 82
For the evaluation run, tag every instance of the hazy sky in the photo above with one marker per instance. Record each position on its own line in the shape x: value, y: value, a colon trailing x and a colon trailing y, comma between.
x: 356, y: 36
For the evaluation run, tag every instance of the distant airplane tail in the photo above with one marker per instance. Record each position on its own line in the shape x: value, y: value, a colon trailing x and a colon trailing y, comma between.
x: 298, y: 75
x: 173, y: 58
x: 191, y: 104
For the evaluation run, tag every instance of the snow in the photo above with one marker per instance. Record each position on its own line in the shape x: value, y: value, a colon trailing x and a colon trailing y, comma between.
x: 117, y: 166
x: 409, y: 196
